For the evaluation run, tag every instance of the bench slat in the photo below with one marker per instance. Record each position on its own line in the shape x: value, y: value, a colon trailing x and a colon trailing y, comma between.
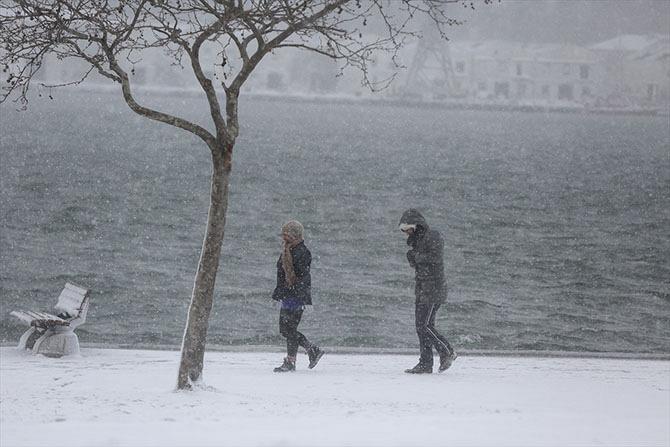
x: 43, y: 316
x: 22, y: 315
x: 48, y: 316
x: 39, y: 318
x: 49, y: 322
x: 70, y: 306
x: 36, y: 315
x: 75, y: 288
x: 69, y: 295
x: 71, y: 299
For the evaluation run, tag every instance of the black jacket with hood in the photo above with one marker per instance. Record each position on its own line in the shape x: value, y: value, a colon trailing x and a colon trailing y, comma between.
x: 426, y: 256
x: 302, y: 289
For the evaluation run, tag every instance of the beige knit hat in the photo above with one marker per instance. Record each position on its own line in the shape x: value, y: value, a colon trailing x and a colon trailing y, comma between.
x: 293, y: 228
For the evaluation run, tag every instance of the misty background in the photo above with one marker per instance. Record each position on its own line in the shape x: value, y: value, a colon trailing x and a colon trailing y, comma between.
x: 565, y: 21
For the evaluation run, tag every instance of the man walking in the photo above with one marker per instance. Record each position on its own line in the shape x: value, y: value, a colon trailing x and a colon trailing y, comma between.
x: 426, y: 257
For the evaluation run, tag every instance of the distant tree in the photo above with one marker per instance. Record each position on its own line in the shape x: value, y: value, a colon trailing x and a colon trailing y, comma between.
x: 109, y: 36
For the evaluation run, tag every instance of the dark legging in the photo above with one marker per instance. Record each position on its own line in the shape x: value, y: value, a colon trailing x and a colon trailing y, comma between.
x: 428, y: 335
x: 288, y: 327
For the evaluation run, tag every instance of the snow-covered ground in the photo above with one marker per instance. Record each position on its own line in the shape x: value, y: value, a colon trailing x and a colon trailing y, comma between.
x: 113, y: 397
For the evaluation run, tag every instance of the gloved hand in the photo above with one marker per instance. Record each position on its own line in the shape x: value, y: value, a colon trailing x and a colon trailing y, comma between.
x: 410, y: 257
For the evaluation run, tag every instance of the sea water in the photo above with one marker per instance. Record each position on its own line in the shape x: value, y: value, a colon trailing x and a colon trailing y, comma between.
x: 556, y: 226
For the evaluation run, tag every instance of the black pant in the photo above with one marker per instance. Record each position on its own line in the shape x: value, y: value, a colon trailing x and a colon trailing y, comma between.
x: 288, y: 327
x: 428, y: 335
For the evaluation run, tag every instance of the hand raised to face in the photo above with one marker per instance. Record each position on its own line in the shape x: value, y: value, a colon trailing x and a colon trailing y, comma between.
x: 289, y: 240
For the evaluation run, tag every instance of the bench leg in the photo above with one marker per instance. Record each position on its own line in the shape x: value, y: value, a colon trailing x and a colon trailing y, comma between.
x: 29, y: 337
x: 57, y: 344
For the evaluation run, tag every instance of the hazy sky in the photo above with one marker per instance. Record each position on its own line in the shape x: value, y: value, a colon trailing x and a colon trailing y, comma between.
x: 565, y: 21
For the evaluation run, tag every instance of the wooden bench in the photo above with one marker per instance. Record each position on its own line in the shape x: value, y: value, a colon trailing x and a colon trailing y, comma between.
x: 54, y: 335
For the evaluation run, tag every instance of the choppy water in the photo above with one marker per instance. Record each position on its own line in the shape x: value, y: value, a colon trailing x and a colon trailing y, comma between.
x: 556, y: 225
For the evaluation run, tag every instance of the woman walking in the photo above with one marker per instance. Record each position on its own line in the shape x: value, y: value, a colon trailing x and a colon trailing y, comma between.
x: 294, y: 284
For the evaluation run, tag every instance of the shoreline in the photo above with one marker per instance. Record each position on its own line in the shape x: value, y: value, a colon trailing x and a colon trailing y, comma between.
x: 369, y: 350
x: 411, y: 103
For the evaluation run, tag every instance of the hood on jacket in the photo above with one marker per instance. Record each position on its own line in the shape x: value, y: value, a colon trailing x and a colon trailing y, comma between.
x: 413, y: 217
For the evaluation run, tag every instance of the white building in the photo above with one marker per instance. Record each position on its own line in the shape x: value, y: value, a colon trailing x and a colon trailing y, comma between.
x: 637, y: 69
x: 525, y: 73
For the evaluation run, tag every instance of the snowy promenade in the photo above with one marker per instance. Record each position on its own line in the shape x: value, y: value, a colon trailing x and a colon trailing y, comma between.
x: 113, y: 397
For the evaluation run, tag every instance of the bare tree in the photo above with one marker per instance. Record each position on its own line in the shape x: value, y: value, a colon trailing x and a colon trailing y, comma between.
x: 110, y: 35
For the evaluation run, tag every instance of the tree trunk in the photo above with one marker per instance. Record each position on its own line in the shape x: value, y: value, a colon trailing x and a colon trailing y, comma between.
x: 195, y: 333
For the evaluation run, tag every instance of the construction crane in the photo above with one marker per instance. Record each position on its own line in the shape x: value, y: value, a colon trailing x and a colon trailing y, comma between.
x: 430, y: 75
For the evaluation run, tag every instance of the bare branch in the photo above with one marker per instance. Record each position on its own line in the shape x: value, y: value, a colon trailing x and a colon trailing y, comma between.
x: 102, y: 33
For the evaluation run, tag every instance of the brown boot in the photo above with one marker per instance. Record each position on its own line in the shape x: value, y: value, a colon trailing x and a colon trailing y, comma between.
x: 446, y: 361
x: 288, y: 365
x: 314, y: 353
x: 420, y: 368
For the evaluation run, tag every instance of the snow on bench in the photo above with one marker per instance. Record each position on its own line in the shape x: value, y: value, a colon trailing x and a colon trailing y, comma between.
x: 41, y: 319
x: 54, y: 334
x: 71, y: 305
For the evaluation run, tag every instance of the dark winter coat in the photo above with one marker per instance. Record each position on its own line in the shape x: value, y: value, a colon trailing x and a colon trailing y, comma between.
x: 302, y: 289
x: 426, y: 256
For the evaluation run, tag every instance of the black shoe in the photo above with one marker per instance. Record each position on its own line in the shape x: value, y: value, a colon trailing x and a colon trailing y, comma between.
x: 314, y: 354
x: 287, y: 366
x: 420, y: 369
x: 446, y: 361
